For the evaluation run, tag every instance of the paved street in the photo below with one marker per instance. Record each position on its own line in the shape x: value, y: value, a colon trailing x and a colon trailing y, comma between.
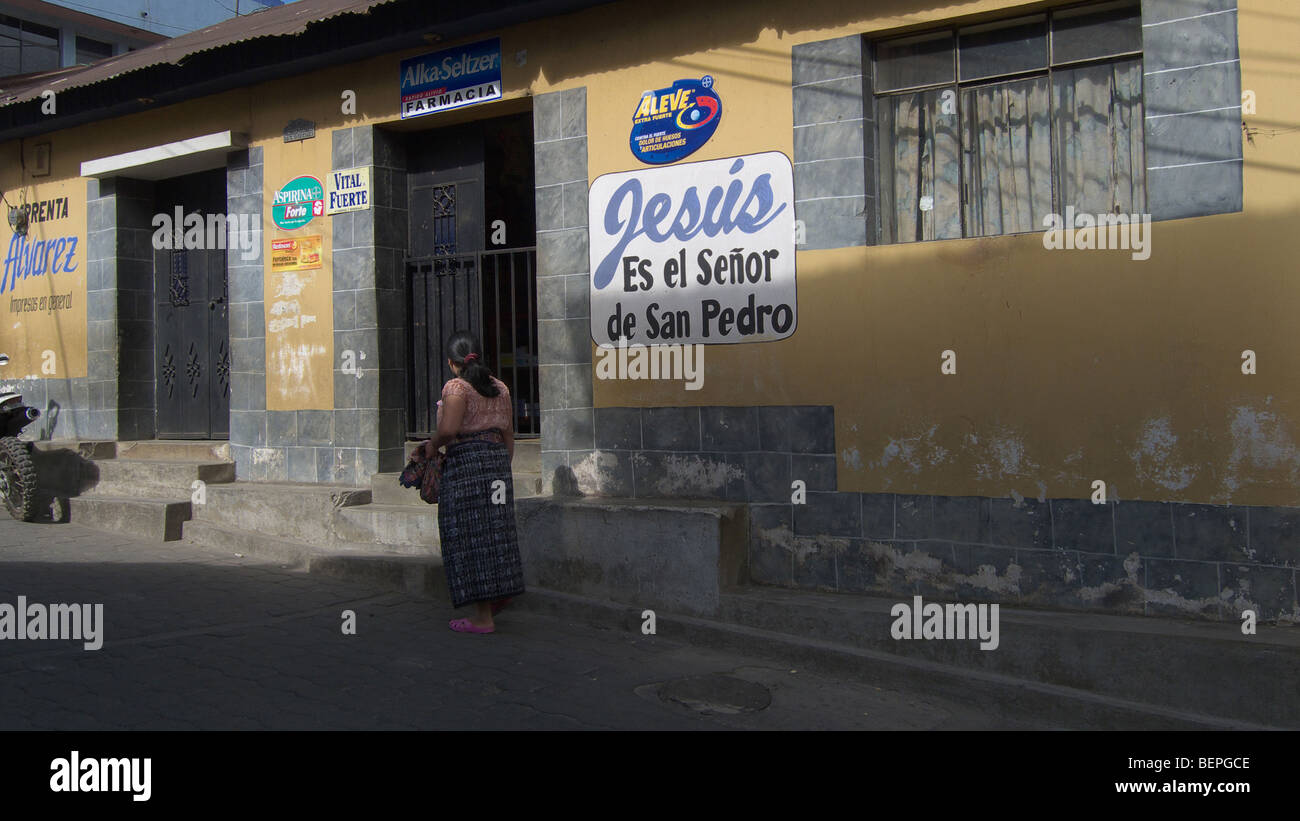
x: 200, y: 639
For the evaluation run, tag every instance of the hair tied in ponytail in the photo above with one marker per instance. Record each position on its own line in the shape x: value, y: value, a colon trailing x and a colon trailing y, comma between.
x: 464, y: 348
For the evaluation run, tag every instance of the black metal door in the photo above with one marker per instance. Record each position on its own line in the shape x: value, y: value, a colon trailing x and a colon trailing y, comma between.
x: 192, y: 338
x: 445, y: 179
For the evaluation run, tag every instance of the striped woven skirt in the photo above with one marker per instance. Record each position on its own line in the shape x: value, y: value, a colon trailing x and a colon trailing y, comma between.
x: 480, y: 544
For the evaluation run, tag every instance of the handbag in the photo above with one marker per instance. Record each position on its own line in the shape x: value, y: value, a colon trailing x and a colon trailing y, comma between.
x: 424, y: 473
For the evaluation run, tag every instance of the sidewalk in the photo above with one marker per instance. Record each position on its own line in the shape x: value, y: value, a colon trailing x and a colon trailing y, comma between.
x: 197, y: 638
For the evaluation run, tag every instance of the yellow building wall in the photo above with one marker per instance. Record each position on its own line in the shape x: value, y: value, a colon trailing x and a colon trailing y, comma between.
x: 1072, y: 366
x: 299, y: 305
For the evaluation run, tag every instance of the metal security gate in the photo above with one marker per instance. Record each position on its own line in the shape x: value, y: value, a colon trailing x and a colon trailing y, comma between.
x: 466, y: 183
x: 191, y: 321
x: 447, y: 294
x: 510, y: 330
x: 444, y: 297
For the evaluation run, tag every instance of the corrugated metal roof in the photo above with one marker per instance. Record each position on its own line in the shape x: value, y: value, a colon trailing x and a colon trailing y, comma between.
x: 270, y: 22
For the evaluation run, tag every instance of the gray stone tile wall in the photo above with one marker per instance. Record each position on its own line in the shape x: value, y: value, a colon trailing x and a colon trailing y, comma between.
x: 1157, y: 558
x: 1138, y: 557
x: 563, y: 285
x: 254, y: 460
x: 834, y: 133
x: 364, y: 433
x: 119, y: 397
x: 136, y: 410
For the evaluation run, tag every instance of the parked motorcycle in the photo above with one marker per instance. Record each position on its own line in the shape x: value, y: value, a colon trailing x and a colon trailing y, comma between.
x: 17, y: 471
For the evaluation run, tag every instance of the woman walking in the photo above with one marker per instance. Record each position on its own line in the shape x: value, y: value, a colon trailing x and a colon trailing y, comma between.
x: 476, y: 515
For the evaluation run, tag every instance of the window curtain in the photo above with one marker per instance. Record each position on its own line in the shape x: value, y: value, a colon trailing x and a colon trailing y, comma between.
x: 920, y: 168
x: 1099, y: 156
x: 1008, y: 171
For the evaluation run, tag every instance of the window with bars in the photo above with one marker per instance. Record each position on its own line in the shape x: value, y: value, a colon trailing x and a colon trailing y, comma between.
x: 27, y: 47
x: 986, y: 129
x: 92, y: 51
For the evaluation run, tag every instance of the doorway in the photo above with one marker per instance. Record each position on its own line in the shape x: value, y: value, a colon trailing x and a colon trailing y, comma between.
x: 472, y: 261
x: 191, y: 319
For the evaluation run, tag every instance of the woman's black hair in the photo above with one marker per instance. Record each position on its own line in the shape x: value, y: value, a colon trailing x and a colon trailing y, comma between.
x: 474, y: 371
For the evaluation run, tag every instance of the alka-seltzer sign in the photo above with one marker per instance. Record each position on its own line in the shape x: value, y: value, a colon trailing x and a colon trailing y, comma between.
x: 298, y: 202
x: 694, y: 253
x: 671, y: 123
x: 454, y: 78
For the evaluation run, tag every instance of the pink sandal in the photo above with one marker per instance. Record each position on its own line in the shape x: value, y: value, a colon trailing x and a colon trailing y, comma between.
x: 467, y: 626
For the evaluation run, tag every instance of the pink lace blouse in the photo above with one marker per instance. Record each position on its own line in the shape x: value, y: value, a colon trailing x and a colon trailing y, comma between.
x: 481, y: 412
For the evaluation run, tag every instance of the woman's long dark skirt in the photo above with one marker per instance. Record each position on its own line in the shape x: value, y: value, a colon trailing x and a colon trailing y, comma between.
x: 480, y: 545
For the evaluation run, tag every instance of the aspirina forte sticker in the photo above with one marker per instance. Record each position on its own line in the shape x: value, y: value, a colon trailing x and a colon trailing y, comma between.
x: 671, y: 123
x: 700, y: 252
x: 298, y: 202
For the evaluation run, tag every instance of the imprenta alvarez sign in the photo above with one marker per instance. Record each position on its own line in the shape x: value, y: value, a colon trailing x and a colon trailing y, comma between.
x: 453, y: 78
x: 694, y: 253
x: 32, y: 257
x: 43, y: 282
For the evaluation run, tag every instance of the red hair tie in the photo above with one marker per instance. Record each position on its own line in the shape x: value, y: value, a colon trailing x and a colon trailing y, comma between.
x: 471, y: 357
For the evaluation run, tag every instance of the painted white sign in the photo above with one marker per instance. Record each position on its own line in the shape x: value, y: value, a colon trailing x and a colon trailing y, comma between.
x: 694, y: 253
x: 347, y: 189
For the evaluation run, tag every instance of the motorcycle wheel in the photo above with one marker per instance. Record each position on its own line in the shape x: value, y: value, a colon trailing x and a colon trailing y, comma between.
x: 17, y: 479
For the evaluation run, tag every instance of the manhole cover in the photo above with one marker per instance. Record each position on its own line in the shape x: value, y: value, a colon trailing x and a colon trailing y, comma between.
x: 726, y: 695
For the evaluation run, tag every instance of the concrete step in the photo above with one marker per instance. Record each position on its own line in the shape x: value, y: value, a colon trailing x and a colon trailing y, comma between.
x: 527, y: 484
x: 1188, y: 666
x: 528, y: 456
x: 368, y: 563
x: 157, y: 520
x: 386, y: 490
x: 677, y: 555
x: 406, y: 529
x: 60, y: 470
x: 86, y: 449
x: 287, y: 510
x: 175, y: 450
x: 160, y: 478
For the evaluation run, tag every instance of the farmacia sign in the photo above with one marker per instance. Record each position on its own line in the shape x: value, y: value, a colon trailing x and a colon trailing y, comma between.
x: 454, y: 78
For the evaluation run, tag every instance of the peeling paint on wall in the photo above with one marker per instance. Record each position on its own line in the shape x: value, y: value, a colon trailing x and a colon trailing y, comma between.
x: 597, y: 470
x: 1241, y: 598
x: 268, y: 456
x: 1110, y: 592
x: 1002, y: 456
x: 1261, y: 443
x: 1155, y: 459
x: 909, y: 451
x: 293, y: 364
x: 685, y: 475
